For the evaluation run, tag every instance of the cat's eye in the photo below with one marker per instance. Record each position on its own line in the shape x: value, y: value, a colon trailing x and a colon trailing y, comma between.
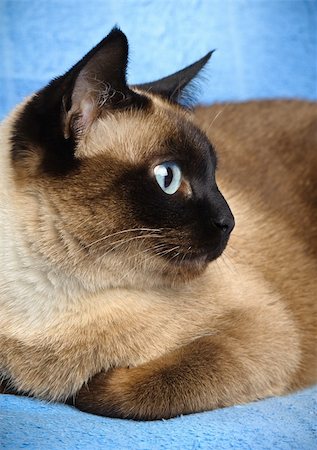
x: 168, y: 176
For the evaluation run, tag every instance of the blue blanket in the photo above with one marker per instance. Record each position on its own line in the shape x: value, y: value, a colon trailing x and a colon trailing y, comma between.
x: 282, y: 423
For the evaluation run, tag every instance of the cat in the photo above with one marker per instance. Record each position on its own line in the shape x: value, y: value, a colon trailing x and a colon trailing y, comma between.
x: 116, y: 295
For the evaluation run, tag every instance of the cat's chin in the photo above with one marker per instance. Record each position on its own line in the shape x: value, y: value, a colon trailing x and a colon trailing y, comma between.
x: 189, y: 266
x: 185, y: 269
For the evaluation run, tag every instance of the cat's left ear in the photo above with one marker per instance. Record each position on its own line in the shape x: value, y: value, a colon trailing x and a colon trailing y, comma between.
x: 172, y: 86
x: 99, y: 84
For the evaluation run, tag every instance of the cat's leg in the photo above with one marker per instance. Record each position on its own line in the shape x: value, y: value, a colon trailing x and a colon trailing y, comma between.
x: 249, y: 358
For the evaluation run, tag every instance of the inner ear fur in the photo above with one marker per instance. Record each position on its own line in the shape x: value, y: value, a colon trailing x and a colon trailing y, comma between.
x: 101, y: 83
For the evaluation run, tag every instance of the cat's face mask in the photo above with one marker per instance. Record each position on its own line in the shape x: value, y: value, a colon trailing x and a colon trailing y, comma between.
x: 127, y: 177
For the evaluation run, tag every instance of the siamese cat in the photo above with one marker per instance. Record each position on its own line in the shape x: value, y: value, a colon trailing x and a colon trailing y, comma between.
x: 115, y: 291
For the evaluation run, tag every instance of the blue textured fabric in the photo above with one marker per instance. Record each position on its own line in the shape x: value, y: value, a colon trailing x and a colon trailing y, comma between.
x: 265, y: 48
x: 284, y: 423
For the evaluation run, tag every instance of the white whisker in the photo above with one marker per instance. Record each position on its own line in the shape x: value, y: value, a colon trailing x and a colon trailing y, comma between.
x: 149, y: 259
x: 121, y: 232
x: 215, y: 118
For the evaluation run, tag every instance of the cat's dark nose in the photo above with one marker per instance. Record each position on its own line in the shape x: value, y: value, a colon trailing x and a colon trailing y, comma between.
x: 225, y: 224
x: 221, y: 215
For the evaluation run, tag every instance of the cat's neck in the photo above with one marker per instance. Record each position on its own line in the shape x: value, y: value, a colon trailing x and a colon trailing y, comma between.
x: 30, y: 284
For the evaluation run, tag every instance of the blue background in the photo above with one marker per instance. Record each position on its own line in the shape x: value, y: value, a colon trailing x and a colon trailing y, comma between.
x: 265, y: 48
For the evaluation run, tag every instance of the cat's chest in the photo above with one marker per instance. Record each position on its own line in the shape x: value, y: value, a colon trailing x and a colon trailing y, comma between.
x: 123, y: 331
x: 117, y: 327
x: 126, y: 329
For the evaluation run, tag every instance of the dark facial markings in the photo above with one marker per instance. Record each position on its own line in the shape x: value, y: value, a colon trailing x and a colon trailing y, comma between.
x: 40, y: 127
x: 203, y: 221
x: 47, y: 132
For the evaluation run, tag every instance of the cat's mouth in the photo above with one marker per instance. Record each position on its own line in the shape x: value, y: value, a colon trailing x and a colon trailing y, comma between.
x: 196, y: 258
x: 187, y: 265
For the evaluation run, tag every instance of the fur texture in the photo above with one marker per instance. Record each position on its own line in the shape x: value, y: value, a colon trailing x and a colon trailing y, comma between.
x: 112, y: 293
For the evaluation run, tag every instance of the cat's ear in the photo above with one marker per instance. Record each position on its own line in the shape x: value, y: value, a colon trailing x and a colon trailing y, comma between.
x: 54, y: 118
x: 99, y: 81
x: 172, y: 86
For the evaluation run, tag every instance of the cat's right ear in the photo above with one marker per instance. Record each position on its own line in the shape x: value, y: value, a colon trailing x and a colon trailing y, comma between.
x: 174, y: 86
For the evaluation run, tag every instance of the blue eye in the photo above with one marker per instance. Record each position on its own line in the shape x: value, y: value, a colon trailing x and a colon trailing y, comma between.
x: 168, y: 176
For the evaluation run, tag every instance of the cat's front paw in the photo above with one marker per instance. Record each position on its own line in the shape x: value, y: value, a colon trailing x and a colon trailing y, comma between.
x: 104, y: 394
x: 125, y: 393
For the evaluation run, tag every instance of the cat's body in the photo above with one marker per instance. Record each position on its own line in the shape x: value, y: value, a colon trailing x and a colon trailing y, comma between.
x: 179, y: 336
x: 268, y: 161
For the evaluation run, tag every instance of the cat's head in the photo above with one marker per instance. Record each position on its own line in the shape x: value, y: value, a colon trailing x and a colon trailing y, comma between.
x: 123, y: 181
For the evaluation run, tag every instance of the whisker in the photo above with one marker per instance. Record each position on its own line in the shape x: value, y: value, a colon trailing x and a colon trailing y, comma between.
x: 215, y: 118
x: 134, y: 268
x: 121, y: 242
x: 228, y: 263
x: 103, y: 239
x: 121, y: 232
x: 147, y: 250
x: 170, y: 259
